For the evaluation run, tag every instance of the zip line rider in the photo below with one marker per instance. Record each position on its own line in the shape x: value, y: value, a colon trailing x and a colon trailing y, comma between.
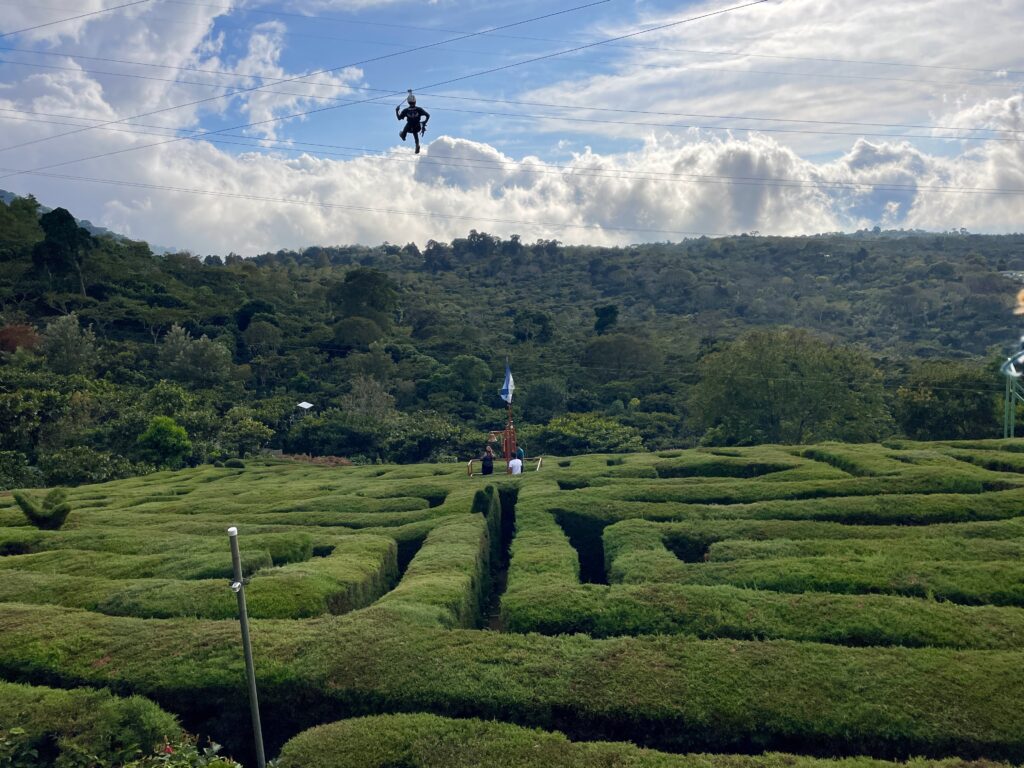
x: 412, y: 116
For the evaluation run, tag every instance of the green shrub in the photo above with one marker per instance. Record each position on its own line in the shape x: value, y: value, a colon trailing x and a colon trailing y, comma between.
x: 746, y: 614
x: 446, y: 582
x: 185, y: 753
x: 79, y: 727
x: 234, y: 464
x: 971, y: 583
x: 933, y: 548
x: 81, y: 464
x: 680, y: 694
x: 429, y: 741
x: 358, y: 571
x: 172, y: 565
x: 700, y: 465
x: 15, y: 471
x: 48, y: 514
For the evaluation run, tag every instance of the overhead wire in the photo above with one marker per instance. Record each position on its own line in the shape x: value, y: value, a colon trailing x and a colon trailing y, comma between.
x: 554, y: 169
x: 820, y: 59
x: 575, y: 107
x: 998, y: 72
x: 460, y: 78
x: 72, y: 18
x: 317, y: 73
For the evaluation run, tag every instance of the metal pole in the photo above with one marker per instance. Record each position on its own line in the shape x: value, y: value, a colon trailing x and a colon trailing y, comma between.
x: 1006, y: 400
x: 238, y: 587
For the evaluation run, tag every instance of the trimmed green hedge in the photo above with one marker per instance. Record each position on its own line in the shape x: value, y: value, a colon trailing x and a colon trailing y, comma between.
x: 293, y: 546
x: 691, y: 541
x: 176, y: 565
x: 70, y: 725
x: 744, y: 614
x: 998, y: 582
x: 429, y: 741
x: 914, y: 481
x: 448, y: 581
x: 935, y: 548
x: 357, y: 572
x: 667, y: 692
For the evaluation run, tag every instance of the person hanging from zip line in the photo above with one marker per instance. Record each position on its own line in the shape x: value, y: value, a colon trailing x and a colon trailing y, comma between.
x: 412, y: 116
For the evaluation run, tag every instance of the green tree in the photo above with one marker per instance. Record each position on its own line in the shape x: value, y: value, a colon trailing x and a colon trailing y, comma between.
x: 576, y: 433
x: 64, y: 248
x: 949, y: 400
x: 242, y: 433
x: 165, y: 442
x: 68, y: 347
x: 200, y: 362
x: 787, y: 385
x: 606, y: 318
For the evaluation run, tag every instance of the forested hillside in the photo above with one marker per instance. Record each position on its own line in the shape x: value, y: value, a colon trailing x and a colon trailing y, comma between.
x: 114, y: 360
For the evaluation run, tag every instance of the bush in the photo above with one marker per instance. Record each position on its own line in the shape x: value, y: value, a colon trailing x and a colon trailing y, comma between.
x: 429, y: 741
x: 234, y: 464
x: 749, y: 614
x: 681, y: 695
x: 15, y: 471
x: 165, y: 442
x: 971, y: 583
x: 78, y: 727
x: 577, y: 433
x: 50, y: 513
x: 77, y: 465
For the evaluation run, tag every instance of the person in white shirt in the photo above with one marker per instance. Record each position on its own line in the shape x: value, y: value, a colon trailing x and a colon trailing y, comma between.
x: 515, y: 466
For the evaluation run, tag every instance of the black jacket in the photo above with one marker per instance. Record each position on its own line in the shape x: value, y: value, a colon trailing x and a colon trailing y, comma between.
x: 413, y: 115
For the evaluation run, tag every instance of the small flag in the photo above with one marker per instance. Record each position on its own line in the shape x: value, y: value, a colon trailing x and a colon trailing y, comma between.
x: 509, y: 386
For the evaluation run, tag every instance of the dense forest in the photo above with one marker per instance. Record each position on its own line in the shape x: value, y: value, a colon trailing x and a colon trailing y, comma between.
x: 115, y: 361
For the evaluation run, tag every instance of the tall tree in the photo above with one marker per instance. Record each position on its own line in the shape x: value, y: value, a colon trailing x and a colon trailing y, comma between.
x: 787, y: 385
x: 68, y: 347
x: 64, y: 247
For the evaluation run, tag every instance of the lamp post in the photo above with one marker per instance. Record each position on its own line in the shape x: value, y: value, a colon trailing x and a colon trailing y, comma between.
x: 238, y: 587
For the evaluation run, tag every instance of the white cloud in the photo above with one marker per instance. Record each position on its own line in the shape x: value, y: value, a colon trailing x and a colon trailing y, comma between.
x: 668, y: 183
x: 665, y: 72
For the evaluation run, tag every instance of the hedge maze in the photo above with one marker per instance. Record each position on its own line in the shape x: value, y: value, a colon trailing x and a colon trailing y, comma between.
x: 746, y: 608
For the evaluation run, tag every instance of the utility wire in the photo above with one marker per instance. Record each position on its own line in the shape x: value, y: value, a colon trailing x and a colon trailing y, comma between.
x: 701, y: 52
x: 974, y: 84
x: 72, y: 18
x: 324, y: 71
x: 633, y: 45
x: 575, y: 108
x: 551, y: 169
x: 433, y: 85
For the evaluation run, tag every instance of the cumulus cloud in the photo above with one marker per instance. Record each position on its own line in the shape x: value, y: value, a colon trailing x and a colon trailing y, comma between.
x: 654, y: 184
x: 798, y: 60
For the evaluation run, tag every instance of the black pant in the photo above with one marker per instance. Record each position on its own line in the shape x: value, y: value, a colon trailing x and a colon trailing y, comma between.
x: 414, y: 130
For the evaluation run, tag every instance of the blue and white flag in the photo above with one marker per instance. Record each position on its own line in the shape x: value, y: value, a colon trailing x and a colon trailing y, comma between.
x: 509, y: 386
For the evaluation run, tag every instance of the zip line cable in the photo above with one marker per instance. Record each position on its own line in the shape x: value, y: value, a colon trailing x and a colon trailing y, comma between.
x: 577, y: 108
x: 433, y: 85
x: 632, y: 45
x: 555, y: 169
x: 72, y: 18
x: 326, y: 71
x: 350, y: 207
x: 974, y: 84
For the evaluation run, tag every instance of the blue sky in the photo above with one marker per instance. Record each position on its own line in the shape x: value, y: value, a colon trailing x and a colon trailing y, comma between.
x: 787, y: 117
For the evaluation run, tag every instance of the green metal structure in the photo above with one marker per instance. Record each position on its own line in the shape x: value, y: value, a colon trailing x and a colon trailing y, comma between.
x: 1012, y: 370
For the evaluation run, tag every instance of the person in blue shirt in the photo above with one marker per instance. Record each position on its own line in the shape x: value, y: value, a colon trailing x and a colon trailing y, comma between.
x: 412, y: 116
